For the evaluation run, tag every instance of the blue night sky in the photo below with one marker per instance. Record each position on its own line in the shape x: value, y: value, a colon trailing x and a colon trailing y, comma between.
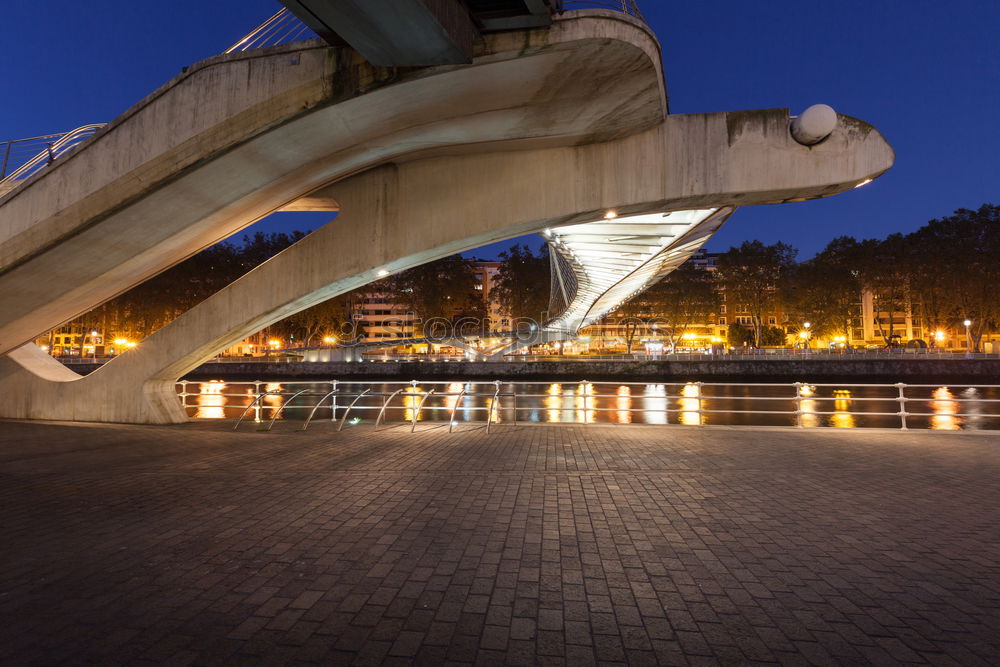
x: 926, y: 74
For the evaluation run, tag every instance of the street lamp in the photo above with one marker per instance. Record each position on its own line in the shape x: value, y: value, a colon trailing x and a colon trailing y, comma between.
x: 805, y: 333
x: 93, y: 341
x: 330, y: 340
x: 938, y: 338
x: 968, y: 337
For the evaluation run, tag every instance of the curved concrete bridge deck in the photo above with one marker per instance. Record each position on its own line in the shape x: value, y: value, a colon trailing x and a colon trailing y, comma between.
x: 547, y: 127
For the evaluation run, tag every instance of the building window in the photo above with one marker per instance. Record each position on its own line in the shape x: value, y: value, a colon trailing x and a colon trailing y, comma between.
x: 722, y: 320
x: 772, y: 321
x: 722, y: 308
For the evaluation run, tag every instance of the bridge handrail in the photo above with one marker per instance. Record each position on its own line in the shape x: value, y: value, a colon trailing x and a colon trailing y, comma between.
x: 52, y: 151
x: 416, y: 413
x: 282, y: 407
x: 281, y: 28
x: 348, y: 411
x: 381, y: 413
x: 320, y: 402
x: 625, y: 6
x: 256, y: 401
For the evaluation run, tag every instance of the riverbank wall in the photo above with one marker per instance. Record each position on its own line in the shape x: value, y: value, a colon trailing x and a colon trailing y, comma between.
x: 857, y: 370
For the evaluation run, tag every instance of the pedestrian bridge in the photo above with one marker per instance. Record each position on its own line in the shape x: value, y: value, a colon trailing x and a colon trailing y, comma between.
x: 559, y: 127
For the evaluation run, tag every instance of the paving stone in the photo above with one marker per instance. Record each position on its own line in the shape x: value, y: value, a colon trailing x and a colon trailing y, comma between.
x: 531, y: 545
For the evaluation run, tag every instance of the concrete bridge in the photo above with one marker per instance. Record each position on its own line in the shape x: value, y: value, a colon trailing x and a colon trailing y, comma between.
x: 554, y: 126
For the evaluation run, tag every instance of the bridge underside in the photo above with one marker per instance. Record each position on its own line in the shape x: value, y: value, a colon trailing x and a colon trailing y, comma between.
x: 525, y: 150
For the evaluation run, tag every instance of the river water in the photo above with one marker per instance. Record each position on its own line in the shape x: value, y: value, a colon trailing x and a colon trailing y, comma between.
x: 946, y: 407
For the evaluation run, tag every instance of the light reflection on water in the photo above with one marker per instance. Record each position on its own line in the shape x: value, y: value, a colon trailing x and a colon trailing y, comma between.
x: 411, y: 400
x: 842, y: 418
x: 808, y: 406
x: 554, y: 403
x: 586, y: 402
x: 944, y: 409
x: 654, y: 404
x: 623, y: 402
x: 690, y: 403
x: 211, y: 402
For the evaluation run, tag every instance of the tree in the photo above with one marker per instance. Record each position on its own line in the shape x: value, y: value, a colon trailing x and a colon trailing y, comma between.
x: 142, y: 310
x: 631, y: 316
x: 751, y: 277
x: 885, y: 269
x: 685, y: 297
x: 739, y: 336
x: 522, y: 282
x: 440, y: 292
x: 825, y: 290
x: 335, y: 317
x: 964, y: 249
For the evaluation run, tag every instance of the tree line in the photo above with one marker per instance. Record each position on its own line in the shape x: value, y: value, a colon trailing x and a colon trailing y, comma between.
x: 945, y: 272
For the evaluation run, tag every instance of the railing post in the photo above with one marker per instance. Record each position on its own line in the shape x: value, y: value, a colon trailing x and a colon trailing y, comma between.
x: 256, y: 410
x: 333, y: 401
x: 6, y: 158
x: 902, y: 405
x: 514, y: 393
x: 798, y: 404
x: 701, y: 415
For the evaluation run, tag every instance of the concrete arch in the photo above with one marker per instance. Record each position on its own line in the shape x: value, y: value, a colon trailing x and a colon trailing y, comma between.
x: 402, y: 215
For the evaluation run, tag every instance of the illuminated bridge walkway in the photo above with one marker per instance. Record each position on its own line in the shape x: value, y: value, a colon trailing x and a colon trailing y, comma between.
x: 426, y: 147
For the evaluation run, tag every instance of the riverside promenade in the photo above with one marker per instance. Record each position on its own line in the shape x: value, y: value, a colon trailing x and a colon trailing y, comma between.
x: 192, y: 544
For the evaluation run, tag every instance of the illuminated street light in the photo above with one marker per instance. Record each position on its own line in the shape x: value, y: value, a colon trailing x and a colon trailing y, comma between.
x: 330, y: 340
x: 968, y: 337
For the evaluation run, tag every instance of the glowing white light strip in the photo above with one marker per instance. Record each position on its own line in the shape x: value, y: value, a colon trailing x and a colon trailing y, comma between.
x: 615, y: 259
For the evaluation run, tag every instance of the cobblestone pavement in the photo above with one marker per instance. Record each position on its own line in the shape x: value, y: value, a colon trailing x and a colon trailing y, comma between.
x: 530, y: 545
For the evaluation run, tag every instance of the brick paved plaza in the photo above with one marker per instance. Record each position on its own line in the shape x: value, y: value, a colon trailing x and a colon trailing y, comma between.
x: 530, y: 545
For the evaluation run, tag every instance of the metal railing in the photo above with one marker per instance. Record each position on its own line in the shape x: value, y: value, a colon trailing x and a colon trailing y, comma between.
x: 21, y: 158
x: 625, y: 6
x: 799, y: 404
x: 282, y: 28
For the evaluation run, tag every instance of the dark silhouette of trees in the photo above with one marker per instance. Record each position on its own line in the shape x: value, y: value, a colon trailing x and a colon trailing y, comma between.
x: 752, y: 276
x: 955, y: 269
x: 686, y: 297
x: 441, y: 293
x: 825, y: 290
x: 142, y: 310
x: 522, y: 282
